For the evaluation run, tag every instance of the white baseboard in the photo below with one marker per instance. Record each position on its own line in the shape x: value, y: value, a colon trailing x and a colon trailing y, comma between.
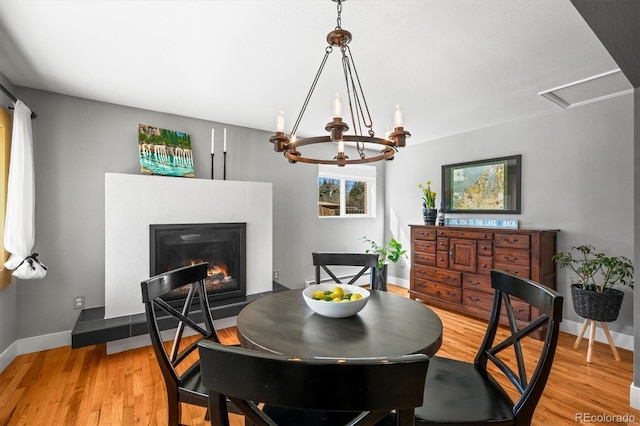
x: 8, y: 356
x: 634, y: 396
x: 400, y: 282
x: 34, y: 344
x: 621, y: 340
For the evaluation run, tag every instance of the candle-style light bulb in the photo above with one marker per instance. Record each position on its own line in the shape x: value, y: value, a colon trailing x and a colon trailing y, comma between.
x: 337, y: 105
x: 213, y: 131
x: 387, y: 133
x: 341, y: 146
x: 397, y: 117
x: 224, y: 147
x: 280, y: 122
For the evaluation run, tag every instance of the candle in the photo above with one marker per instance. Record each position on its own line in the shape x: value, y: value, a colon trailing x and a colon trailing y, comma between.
x: 213, y: 131
x: 280, y: 122
x: 397, y: 117
x: 337, y: 105
x: 224, y: 148
x: 341, y: 146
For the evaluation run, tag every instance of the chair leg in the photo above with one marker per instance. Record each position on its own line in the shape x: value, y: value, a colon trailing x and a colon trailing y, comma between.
x: 610, y: 339
x: 174, y: 411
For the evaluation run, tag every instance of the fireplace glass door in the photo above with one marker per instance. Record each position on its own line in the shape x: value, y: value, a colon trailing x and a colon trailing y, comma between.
x: 221, y: 245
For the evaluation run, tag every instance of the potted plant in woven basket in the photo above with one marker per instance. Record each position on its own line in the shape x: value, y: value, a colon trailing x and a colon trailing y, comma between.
x: 593, y: 294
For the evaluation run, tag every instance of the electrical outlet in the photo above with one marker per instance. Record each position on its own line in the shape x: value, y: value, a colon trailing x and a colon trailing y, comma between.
x: 78, y: 302
x: 402, y: 263
x: 276, y: 275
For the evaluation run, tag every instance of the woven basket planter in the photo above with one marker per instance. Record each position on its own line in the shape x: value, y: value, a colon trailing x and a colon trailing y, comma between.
x: 595, y: 305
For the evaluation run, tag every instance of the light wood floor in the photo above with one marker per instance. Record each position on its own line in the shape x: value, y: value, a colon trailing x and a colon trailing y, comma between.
x: 86, y: 387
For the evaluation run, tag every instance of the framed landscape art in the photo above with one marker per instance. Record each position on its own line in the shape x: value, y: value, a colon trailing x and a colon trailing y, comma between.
x: 164, y: 152
x: 484, y: 186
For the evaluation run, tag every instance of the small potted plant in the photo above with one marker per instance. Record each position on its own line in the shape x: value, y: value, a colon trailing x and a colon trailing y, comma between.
x: 391, y: 252
x: 593, y: 294
x: 429, y: 211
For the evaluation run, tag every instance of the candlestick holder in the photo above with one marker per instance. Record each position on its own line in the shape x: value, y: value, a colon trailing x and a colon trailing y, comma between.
x: 212, y: 154
x: 224, y: 168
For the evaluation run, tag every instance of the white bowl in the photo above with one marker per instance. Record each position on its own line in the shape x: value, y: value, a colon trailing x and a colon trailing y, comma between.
x: 335, y: 309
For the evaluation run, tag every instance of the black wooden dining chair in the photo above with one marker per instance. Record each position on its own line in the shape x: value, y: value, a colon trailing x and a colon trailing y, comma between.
x: 461, y: 393
x: 330, y: 262
x: 176, y: 301
x: 309, y: 392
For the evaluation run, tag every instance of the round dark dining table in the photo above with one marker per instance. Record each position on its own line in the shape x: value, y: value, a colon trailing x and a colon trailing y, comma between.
x: 388, y: 325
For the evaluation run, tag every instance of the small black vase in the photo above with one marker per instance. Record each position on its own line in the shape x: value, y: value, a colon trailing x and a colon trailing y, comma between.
x: 429, y: 216
x: 379, y: 279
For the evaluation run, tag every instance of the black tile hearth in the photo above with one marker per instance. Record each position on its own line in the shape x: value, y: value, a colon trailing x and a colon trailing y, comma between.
x: 92, y: 328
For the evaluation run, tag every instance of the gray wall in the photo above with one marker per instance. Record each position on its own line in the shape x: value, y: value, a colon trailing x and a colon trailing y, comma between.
x: 577, y: 176
x: 76, y: 141
x: 8, y: 295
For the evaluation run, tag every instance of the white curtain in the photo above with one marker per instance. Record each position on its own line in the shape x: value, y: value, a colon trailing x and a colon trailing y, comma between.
x: 19, y: 234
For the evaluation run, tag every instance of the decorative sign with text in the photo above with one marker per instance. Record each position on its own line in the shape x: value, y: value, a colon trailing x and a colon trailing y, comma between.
x: 482, y: 223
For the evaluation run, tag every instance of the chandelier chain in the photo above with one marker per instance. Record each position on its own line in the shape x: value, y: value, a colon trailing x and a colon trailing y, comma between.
x: 339, y: 19
x: 327, y: 52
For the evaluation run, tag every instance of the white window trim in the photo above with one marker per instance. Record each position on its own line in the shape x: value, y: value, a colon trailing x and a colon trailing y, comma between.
x: 353, y: 172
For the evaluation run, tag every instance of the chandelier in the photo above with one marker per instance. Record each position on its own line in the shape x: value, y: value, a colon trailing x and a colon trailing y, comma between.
x: 359, y: 111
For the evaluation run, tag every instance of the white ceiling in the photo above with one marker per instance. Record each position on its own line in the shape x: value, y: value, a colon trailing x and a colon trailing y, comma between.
x: 453, y: 65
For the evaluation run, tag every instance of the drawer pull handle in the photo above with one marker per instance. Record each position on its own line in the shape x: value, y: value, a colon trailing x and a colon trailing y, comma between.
x: 513, y: 259
x: 483, y: 266
x: 483, y: 248
x: 421, y: 272
x: 451, y: 293
x: 506, y: 240
x: 474, y: 283
x: 473, y: 299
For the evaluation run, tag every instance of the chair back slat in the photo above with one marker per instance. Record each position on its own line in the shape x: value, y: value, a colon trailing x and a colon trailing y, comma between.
x: 378, y: 385
x: 325, y: 261
x: 162, y: 316
x: 546, y: 311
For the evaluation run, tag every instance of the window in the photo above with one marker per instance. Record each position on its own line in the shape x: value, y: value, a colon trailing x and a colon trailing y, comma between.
x: 5, y: 137
x: 346, y: 192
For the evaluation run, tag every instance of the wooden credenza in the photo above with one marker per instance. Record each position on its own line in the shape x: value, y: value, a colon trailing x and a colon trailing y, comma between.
x: 450, y: 266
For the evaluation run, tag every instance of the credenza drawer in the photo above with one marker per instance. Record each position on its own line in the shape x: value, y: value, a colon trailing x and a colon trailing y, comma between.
x: 511, y: 257
x: 424, y: 246
x: 424, y: 259
x: 419, y: 233
x: 436, y: 275
x: 477, y: 282
x: 519, y: 241
x: 440, y: 291
x: 485, y: 264
x: 521, y: 271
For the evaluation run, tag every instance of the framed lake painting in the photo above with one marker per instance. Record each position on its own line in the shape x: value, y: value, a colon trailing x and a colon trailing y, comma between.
x: 164, y: 152
x: 484, y: 186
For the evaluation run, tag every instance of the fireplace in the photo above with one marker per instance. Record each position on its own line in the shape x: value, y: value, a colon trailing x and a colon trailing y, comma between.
x: 221, y: 245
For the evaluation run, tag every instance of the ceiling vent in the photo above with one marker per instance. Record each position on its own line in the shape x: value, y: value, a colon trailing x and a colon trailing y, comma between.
x: 593, y: 89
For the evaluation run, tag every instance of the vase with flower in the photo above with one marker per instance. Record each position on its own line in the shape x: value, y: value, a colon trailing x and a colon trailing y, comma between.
x: 429, y: 211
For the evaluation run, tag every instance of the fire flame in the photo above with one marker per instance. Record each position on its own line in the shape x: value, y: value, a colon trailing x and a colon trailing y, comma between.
x: 216, y: 271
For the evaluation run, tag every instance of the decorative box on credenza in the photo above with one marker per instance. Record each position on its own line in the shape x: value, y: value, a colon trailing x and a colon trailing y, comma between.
x: 450, y: 266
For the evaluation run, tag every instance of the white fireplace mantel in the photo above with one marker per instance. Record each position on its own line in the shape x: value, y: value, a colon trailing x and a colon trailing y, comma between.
x: 133, y: 202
